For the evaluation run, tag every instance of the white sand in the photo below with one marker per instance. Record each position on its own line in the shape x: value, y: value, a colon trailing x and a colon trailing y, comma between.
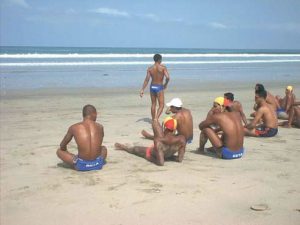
x: 36, y: 189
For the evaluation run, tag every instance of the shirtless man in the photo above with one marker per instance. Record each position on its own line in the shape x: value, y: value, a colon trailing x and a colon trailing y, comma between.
x: 230, y: 145
x: 294, y: 118
x: 88, y: 136
x: 184, y: 120
x: 270, y: 99
x: 165, y: 144
x: 266, y: 114
x: 156, y: 72
x: 235, y: 106
x: 285, y: 103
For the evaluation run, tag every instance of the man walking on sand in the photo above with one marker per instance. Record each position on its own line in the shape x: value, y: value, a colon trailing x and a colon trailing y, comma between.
x: 184, y: 120
x: 230, y: 145
x: 88, y: 135
x: 156, y: 72
x: 165, y: 144
x: 264, y: 113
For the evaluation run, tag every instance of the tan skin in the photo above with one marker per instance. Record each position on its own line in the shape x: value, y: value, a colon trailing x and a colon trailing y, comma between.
x: 237, y: 107
x: 287, y: 101
x: 166, y: 144
x: 265, y: 113
x: 271, y: 100
x: 294, y: 118
x: 184, y: 123
x: 157, y: 73
x: 88, y: 136
x: 231, y: 126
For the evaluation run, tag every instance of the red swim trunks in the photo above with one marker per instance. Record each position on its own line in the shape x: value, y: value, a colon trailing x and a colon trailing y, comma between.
x: 149, y: 152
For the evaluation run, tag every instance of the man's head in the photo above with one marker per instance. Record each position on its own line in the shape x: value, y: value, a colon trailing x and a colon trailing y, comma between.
x: 157, y: 58
x: 175, y: 105
x: 219, y: 104
x: 259, y: 87
x: 229, y: 96
x: 89, y: 111
x: 260, y: 96
x: 288, y: 89
x: 170, y: 124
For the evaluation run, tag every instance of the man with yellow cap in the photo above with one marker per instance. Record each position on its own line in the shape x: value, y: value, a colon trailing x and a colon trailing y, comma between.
x: 230, y: 144
x: 285, y: 103
x: 165, y: 144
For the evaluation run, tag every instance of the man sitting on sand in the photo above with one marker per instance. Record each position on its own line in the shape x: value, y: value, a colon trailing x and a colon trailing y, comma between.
x: 235, y: 106
x: 157, y: 72
x: 266, y: 114
x: 166, y: 144
x: 88, y: 136
x: 184, y: 120
x: 294, y: 118
x: 270, y: 99
x: 285, y: 103
x: 230, y: 145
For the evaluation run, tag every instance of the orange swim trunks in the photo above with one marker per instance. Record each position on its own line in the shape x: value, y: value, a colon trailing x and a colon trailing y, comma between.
x: 149, y: 152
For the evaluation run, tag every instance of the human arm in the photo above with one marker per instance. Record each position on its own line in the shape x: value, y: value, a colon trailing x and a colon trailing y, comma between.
x: 258, y: 116
x: 167, y: 75
x: 67, y: 138
x: 289, y: 101
x: 207, y: 122
x: 146, y: 81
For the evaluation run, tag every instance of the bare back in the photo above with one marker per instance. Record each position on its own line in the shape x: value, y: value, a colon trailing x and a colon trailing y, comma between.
x: 185, y: 123
x: 233, y: 131
x: 271, y: 100
x: 88, y: 136
x: 157, y: 73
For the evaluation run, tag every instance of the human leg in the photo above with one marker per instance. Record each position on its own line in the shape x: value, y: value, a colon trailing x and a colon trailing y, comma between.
x: 65, y: 156
x: 147, y: 135
x: 161, y: 103
x: 212, y: 136
x: 136, y: 150
x: 153, y: 105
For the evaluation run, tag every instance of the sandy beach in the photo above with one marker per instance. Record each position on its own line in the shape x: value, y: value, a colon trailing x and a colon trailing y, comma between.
x: 36, y: 188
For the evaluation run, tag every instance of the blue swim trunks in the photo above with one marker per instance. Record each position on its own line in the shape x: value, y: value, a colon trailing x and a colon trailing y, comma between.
x: 266, y: 131
x: 189, y: 141
x: 229, y: 154
x: 86, y: 165
x: 156, y: 88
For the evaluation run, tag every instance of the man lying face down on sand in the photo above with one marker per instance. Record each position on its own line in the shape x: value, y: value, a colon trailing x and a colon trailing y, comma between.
x: 230, y: 145
x: 166, y: 144
x: 266, y: 114
x: 88, y: 136
x: 183, y: 117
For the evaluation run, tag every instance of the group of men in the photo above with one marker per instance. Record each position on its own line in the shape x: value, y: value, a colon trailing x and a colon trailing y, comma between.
x: 225, y: 126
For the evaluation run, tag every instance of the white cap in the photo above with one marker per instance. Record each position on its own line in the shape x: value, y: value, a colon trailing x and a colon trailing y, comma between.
x: 176, y: 102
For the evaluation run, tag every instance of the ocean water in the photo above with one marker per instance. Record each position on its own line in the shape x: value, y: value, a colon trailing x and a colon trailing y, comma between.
x: 63, y: 67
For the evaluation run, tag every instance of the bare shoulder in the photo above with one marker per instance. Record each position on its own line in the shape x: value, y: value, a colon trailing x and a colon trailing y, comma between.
x: 99, y: 125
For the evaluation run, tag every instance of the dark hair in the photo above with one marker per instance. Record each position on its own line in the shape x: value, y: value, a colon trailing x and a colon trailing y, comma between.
x: 157, y: 57
x: 259, y: 87
x: 88, y: 110
x: 229, y: 96
x: 262, y: 93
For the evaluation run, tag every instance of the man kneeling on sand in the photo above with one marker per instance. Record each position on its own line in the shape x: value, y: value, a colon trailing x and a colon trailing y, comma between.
x: 166, y: 144
x: 88, y: 136
x: 266, y: 114
x: 230, y: 145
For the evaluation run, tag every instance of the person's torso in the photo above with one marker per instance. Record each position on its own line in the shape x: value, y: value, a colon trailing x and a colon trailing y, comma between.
x: 269, y: 116
x: 184, y: 123
x: 233, y: 131
x: 157, y: 74
x: 88, y: 136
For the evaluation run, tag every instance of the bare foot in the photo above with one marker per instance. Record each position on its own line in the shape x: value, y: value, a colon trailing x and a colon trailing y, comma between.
x: 119, y: 146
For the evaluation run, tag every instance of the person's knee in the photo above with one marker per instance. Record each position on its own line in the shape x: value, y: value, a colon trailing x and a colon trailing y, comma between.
x: 103, y: 152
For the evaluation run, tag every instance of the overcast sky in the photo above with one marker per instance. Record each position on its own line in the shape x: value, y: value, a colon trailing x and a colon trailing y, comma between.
x: 245, y: 24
